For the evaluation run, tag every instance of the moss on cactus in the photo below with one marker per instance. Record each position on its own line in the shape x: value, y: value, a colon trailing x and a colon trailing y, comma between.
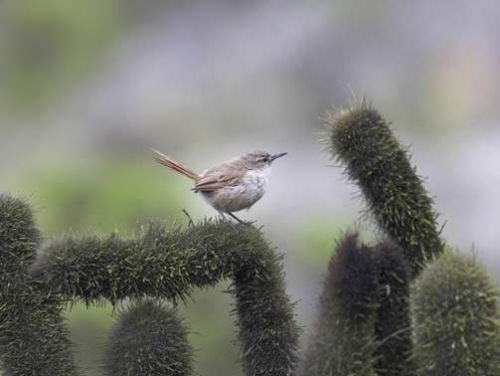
x: 363, y: 323
x: 360, y: 139
x: 18, y: 239
x: 343, y: 339
x: 33, y: 339
x: 456, y: 311
x: 160, y: 263
x: 168, y: 263
x: 149, y: 339
x: 363, y: 326
x: 393, y: 323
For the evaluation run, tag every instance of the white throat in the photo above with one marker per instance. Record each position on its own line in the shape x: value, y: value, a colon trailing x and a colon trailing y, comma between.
x: 258, y: 178
x: 266, y: 171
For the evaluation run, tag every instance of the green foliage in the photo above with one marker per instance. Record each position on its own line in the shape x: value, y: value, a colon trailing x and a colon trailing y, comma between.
x: 316, y: 236
x: 116, y: 194
x: 33, y: 339
x: 149, y: 339
x: 456, y: 311
x: 167, y: 263
x: 87, y: 327
x: 361, y: 139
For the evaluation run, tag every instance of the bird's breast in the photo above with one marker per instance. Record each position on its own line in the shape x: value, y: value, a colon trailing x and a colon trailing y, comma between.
x: 256, y: 179
x: 232, y: 198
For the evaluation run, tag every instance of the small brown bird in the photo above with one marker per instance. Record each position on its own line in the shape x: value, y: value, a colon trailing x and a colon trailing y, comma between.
x: 232, y: 185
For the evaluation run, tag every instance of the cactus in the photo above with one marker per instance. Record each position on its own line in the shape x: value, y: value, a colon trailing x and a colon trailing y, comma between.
x: 344, y: 337
x: 149, y: 339
x: 393, y: 323
x: 364, y: 325
x: 361, y: 139
x: 168, y: 264
x: 33, y: 339
x: 455, y: 307
x: 380, y: 344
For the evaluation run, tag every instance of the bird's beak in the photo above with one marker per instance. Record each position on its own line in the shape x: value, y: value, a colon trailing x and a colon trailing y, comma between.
x: 276, y: 156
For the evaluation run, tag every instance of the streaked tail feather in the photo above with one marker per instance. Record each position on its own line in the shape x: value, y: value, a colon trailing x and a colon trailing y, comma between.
x: 174, y: 165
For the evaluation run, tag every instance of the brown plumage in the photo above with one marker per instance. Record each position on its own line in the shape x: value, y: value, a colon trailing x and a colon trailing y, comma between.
x: 175, y: 166
x: 230, y: 186
x: 218, y: 177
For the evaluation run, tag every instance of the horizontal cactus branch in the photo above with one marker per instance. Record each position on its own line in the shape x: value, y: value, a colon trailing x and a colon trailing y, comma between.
x: 168, y: 264
x: 343, y: 340
x: 149, y: 339
x: 456, y: 311
x: 361, y: 140
x: 33, y: 338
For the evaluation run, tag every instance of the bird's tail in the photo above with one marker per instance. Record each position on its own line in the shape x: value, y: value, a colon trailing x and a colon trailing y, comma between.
x: 174, y: 165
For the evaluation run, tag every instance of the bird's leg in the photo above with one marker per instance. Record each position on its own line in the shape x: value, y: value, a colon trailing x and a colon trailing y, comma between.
x: 235, y: 217
x: 239, y: 220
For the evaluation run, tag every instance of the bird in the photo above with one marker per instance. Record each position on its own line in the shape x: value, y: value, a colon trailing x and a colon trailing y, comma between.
x: 229, y: 186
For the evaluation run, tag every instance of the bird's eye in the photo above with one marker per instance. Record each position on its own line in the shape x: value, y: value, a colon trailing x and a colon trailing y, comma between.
x: 266, y: 159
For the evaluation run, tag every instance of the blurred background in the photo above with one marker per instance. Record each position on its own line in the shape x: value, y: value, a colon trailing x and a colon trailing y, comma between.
x: 86, y: 87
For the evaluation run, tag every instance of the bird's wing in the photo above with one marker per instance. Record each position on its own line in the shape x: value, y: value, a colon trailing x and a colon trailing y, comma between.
x: 213, y: 180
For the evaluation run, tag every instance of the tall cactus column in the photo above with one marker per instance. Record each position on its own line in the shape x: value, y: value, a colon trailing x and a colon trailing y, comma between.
x: 361, y: 140
x: 33, y: 338
x: 343, y: 340
x: 456, y: 311
x: 393, y: 322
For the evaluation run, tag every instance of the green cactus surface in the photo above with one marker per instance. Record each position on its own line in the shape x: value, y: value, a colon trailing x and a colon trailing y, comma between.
x: 149, y: 339
x: 403, y: 307
x: 343, y: 341
x: 393, y: 323
x: 33, y: 338
x: 455, y: 306
x: 363, y: 325
x: 168, y: 263
x: 360, y: 139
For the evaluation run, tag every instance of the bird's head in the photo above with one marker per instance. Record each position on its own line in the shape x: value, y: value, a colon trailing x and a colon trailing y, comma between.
x: 259, y: 160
